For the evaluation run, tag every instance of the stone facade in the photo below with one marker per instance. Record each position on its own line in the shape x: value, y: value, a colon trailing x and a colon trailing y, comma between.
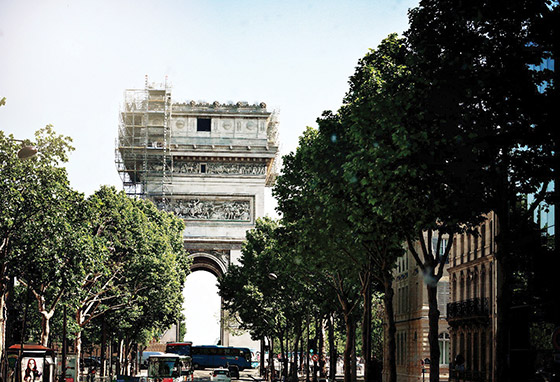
x: 472, y: 307
x: 410, y: 304
x: 208, y: 163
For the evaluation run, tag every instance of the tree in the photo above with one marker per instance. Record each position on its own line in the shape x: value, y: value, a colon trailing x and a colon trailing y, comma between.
x: 309, y: 198
x: 477, y: 63
x: 29, y: 191
x: 137, y: 262
x: 410, y: 172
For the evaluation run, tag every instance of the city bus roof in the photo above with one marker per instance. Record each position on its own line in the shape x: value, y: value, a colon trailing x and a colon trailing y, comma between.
x: 166, y: 355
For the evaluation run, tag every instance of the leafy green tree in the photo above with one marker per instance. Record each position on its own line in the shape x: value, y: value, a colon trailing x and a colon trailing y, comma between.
x: 50, y: 251
x: 478, y: 83
x: 307, y: 193
x: 31, y: 195
x: 417, y: 176
x: 375, y: 237
x: 267, y: 291
x: 138, y: 264
x: 247, y: 290
x: 159, y: 275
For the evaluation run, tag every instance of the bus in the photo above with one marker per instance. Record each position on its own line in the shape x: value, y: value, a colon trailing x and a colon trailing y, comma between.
x: 212, y: 356
x: 169, y: 368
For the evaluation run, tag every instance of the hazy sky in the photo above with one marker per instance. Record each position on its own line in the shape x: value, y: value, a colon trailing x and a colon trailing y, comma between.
x: 67, y: 63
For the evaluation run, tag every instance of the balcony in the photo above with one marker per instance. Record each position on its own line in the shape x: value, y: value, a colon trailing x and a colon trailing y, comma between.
x: 472, y: 309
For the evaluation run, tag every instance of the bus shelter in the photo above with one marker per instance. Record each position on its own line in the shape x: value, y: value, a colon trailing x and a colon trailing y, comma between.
x: 37, y: 363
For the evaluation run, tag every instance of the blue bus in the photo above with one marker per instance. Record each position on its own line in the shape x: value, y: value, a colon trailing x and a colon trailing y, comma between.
x: 211, y: 356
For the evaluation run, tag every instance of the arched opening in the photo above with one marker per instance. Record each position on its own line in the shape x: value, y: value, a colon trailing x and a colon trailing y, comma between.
x: 201, y: 308
x: 202, y: 305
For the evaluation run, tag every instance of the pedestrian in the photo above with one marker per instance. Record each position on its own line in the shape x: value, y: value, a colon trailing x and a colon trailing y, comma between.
x: 459, y: 366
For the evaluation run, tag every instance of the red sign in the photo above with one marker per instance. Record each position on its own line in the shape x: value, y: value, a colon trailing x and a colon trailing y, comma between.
x: 315, y: 357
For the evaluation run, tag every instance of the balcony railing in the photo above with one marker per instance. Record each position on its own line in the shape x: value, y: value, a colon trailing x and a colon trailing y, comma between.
x: 474, y: 307
x: 468, y: 376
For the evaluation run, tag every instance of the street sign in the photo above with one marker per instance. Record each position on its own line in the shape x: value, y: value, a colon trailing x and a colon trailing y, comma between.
x: 315, y: 357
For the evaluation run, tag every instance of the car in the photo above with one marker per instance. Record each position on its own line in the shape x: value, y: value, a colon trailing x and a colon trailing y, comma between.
x: 221, y: 375
x: 233, y: 371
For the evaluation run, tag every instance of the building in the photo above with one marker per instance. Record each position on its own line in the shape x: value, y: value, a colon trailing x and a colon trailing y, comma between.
x: 410, y: 305
x: 208, y: 163
x: 471, y: 312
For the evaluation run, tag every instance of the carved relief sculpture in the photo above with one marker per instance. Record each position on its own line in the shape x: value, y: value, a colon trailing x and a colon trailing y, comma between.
x: 197, y: 209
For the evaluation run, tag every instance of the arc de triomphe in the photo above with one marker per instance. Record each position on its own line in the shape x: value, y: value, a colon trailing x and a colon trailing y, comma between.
x: 209, y: 163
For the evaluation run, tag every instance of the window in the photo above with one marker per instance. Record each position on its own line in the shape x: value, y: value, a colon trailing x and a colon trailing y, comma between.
x: 401, y: 348
x: 483, y: 283
x: 444, y: 348
x: 468, y: 247
x: 203, y: 124
x: 454, y: 251
x: 462, y: 287
x: 462, y: 248
x: 475, y: 283
x: 203, y: 168
x: 483, y: 239
x: 475, y: 239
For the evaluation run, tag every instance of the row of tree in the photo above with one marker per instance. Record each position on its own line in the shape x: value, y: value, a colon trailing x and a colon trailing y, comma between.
x: 457, y: 118
x: 107, y: 259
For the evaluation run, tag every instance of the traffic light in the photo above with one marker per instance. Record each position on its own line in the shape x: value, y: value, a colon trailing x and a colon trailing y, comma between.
x: 312, y: 346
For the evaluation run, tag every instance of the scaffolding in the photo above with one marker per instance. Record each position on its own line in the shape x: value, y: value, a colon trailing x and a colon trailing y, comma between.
x: 143, y: 148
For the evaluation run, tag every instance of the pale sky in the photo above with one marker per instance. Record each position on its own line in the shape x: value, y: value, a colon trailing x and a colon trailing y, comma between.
x: 68, y: 62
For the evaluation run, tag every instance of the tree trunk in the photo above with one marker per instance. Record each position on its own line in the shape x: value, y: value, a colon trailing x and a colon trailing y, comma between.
x: 349, y: 346
x: 366, y: 333
x: 120, y: 358
x: 103, y: 347
x: 354, y: 358
x: 262, y: 360
x: 433, y: 322
x: 126, y: 357
x: 333, y: 354
x: 321, y: 350
x: 78, y: 344
x: 503, y: 294
x: 295, y: 363
x: 391, y: 327
x: 45, y: 328
x: 110, y: 363
x: 282, y: 351
x: 271, y: 358
x: 3, y: 314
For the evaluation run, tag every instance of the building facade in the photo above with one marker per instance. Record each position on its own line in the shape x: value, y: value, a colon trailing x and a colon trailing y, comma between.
x: 208, y: 163
x: 471, y: 312
x: 411, y: 315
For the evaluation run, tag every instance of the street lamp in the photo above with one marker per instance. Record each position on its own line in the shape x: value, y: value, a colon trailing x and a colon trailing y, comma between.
x: 26, y: 151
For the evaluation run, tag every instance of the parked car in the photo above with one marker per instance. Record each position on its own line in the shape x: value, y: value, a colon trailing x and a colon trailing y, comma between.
x: 233, y: 371
x: 221, y: 375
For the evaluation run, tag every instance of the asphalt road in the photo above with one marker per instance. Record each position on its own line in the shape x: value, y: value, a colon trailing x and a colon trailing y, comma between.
x: 245, y: 375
